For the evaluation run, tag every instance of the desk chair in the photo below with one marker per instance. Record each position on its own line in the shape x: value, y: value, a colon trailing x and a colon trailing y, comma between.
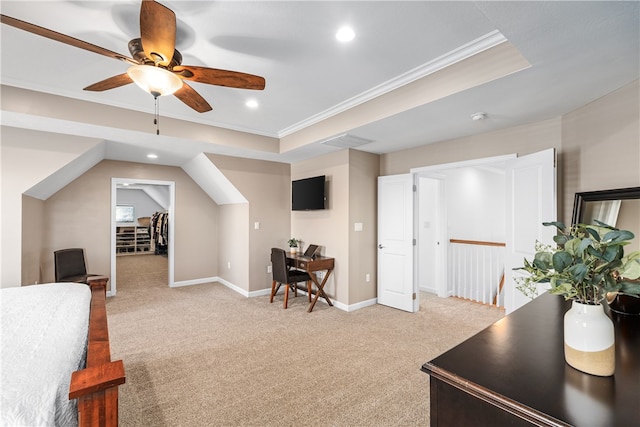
x: 282, y: 275
x: 70, y: 266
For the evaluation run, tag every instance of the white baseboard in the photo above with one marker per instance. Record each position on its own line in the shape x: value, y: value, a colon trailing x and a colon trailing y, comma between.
x: 194, y: 282
x: 345, y: 307
x: 356, y: 306
x: 267, y: 291
x: 260, y: 293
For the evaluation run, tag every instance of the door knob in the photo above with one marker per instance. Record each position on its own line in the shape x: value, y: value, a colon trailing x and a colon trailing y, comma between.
x: 380, y: 246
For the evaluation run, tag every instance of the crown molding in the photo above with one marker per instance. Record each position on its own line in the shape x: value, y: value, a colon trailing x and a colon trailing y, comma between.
x: 465, y: 51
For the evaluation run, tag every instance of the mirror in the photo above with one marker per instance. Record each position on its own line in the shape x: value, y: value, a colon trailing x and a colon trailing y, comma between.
x: 619, y: 208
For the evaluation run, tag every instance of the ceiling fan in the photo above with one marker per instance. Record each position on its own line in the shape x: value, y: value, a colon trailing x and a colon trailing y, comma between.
x: 156, y: 66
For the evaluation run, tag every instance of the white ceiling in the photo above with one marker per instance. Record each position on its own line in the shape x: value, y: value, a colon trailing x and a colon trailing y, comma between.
x: 578, y: 52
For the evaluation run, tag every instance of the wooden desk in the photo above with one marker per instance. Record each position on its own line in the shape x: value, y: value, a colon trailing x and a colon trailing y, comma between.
x: 311, y: 265
x: 514, y: 373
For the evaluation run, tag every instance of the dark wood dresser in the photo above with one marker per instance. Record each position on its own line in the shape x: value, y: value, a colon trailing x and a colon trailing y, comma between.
x: 513, y: 373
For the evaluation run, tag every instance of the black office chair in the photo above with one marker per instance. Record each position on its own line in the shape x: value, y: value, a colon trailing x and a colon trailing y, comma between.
x: 70, y: 266
x: 282, y: 275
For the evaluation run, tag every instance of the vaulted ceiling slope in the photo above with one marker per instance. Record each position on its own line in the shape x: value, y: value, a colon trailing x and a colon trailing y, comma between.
x: 414, y: 73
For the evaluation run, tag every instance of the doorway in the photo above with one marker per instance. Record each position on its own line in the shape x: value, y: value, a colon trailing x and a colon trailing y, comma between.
x: 530, y: 201
x: 430, y: 225
x: 498, y: 199
x: 451, y: 202
x: 139, y: 199
x: 461, y: 221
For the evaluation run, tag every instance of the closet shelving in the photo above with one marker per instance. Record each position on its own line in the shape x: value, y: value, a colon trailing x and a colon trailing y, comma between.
x: 132, y: 240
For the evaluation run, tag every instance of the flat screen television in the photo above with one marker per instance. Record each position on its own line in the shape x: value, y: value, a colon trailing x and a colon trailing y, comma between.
x: 308, y: 194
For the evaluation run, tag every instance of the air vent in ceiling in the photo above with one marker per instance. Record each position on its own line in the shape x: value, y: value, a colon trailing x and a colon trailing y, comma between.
x: 346, y: 141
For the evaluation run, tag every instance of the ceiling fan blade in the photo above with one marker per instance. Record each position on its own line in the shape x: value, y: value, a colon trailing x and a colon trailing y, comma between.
x: 217, y: 77
x: 192, y: 98
x: 62, y: 38
x: 157, y: 31
x: 110, y: 83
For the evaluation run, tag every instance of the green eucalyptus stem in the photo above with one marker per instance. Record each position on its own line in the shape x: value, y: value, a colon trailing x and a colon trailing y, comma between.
x: 587, y: 263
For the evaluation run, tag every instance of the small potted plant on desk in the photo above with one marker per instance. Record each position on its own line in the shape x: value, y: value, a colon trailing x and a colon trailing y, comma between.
x: 587, y: 266
x: 293, y: 245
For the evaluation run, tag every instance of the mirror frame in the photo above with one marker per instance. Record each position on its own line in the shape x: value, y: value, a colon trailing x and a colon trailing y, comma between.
x: 594, y: 196
x: 621, y: 304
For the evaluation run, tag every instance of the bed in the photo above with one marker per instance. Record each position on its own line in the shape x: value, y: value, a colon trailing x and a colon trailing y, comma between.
x: 55, y: 361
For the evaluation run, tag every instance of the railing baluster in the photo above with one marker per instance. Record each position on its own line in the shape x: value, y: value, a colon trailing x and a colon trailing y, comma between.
x: 484, y: 275
x: 476, y: 270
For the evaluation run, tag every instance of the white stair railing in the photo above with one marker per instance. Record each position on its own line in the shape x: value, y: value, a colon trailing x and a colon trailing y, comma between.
x: 476, y: 270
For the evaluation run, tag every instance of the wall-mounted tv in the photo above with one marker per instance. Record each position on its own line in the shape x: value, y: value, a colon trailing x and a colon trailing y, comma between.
x: 308, y: 194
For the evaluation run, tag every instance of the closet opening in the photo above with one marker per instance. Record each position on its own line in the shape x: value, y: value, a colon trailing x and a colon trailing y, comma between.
x: 142, y: 229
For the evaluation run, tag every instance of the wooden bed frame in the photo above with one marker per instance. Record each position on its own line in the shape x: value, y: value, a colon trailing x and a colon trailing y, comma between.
x: 96, y: 386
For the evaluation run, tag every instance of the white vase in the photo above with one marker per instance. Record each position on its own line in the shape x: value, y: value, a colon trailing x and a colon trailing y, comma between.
x: 589, y: 340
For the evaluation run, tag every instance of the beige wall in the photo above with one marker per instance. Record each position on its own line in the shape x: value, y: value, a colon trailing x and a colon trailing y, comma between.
x: 351, y: 197
x: 364, y: 169
x: 32, y: 239
x: 598, y: 147
x: 23, y: 101
x: 233, y: 245
x: 267, y: 187
x: 204, y: 249
x: 328, y: 228
x: 79, y: 215
x: 524, y: 139
x: 601, y: 144
x: 28, y: 157
x: 351, y: 193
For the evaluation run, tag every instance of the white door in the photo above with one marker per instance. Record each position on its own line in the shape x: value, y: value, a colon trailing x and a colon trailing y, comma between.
x: 530, y: 201
x: 395, y: 242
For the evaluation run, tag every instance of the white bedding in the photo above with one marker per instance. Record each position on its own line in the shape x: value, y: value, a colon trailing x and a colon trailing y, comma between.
x: 42, y: 341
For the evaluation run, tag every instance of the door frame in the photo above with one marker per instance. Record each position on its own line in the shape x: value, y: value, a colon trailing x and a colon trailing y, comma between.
x: 172, y: 202
x: 440, y: 262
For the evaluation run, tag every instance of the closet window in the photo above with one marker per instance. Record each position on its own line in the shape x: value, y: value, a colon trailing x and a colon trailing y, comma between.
x: 125, y: 213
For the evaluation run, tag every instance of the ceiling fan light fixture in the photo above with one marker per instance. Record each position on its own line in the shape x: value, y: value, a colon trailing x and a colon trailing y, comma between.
x: 154, y: 80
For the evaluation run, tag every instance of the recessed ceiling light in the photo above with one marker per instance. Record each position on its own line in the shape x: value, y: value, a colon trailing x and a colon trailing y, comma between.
x: 152, y: 156
x: 252, y: 103
x: 478, y: 116
x: 345, y: 34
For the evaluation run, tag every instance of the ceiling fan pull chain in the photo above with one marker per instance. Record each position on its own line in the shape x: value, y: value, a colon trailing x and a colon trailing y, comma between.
x: 156, y: 119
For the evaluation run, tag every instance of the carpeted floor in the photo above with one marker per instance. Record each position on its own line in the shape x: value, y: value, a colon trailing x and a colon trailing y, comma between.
x: 204, y: 355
